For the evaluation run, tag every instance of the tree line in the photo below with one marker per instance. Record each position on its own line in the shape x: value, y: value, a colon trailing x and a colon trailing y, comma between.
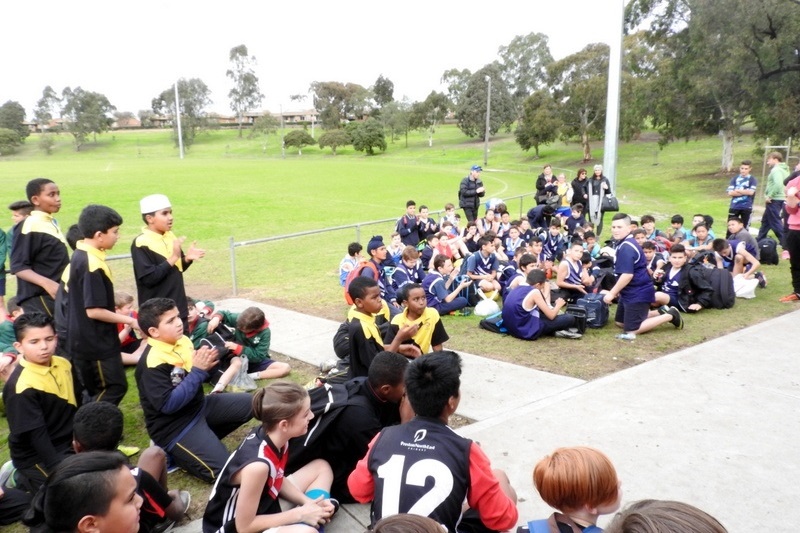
x: 690, y: 68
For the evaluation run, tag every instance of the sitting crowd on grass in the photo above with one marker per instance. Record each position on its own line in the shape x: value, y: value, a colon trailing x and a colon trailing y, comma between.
x: 69, y: 334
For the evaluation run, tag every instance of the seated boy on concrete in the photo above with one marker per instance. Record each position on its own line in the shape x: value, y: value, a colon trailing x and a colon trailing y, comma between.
x: 180, y: 418
x: 365, y: 338
x: 251, y: 337
x: 430, y: 333
x: 341, y: 436
x: 132, y: 346
x: 456, y: 464
x: 40, y: 397
x: 681, y: 287
x: 581, y: 484
x: 98, y: 427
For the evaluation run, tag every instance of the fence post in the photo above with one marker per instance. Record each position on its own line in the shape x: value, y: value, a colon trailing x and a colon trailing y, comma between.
x: 520, y: 206
x: 358, y: 232
x: 233, y: 266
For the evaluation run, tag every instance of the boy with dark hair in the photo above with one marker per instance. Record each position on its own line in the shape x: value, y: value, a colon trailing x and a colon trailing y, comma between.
x: 736, y: 257
x: 92, y: 337
x: 539, y: 217
x: 366, y: 340
x: 39, y: 253
x: 590, y: 244
x: 571, y: 277
x: 180, y: 418
x: 634, y: 287
x: 433, y: 388
x: 775, y: 197
x: 513, y: 241
x: 678, y: 234
x: 575, y: 219
x: 438, y: 283
x: 430, y: 333
x: 98, y: 427
x: 683, y: 288
x: 581, y: 483
x: 482, y: 266
x: 373, y: 403
x: 407, y: 225
x: 654, y: 260
x: 158, y: 260
x: 425, y: 226
x: 349, y: 261
x: 737, y: 231
x: 425, y: 256
x: 554, y: 243
x: 375, y: 271
x: 251, y: 337
x: 41, y: 397
x: 741, y: 190
x: 528, y: 315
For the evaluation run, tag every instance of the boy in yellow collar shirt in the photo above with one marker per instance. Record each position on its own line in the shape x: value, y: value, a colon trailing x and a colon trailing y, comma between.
x: 430, y: 332
x: 158, y: 260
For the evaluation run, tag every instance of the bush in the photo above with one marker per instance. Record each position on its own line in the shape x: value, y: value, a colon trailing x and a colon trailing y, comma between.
x: 9, y: 140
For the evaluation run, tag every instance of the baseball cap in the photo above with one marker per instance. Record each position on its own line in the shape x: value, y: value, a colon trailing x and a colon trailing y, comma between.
x: 476, y: 167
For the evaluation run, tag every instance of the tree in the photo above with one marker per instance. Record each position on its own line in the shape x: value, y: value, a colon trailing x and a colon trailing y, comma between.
x: 266, y: 124
x: 47, y: 142
x: 383, y: 91
x: 194, y: 96
x: 337, y: 101
x: 48, y: 104
x: 367, y: 136
x: 456, y: 81
x: 334, y: 139
x: 146, y: 117
x: 427, y: 114
x: 539, y: 123
x: 298, y: 139
x: 12, y: 116
x: 395, y: 117
x: 84, y: 113
x: 523, y: 64
x: 579, y: 84
x: 471, y: 108
x: 245, y: 94
x: 9, y: 141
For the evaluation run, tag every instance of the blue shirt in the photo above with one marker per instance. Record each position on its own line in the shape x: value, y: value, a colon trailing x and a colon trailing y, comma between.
x: 630, y: 260
x: 742, y: 183
x: 520, y: 322
x: 477, y: 264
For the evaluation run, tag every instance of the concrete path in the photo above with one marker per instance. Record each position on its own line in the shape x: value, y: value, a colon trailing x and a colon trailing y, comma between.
x: 714, y: 425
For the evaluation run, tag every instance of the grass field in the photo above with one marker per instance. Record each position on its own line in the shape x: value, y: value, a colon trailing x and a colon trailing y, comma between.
x: 241, y: 189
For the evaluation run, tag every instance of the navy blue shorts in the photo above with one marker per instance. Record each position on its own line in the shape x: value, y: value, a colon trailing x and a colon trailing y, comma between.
x: 631, y: 315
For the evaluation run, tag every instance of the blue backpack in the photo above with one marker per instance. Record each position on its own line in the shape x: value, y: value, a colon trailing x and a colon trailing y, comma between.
x: 542, y: 526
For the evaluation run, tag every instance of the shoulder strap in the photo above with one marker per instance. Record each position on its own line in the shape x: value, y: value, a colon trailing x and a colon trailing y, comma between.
x: 538, y: 526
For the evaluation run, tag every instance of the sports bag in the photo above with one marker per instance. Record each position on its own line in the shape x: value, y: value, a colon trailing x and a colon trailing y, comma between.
x: 768, y: 249
x: 579, y: 313
x: 493, y: 323
x: 596, y: 310
x: 357, y: 271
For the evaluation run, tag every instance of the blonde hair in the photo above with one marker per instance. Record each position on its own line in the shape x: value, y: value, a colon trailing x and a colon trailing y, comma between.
x: 122, y: 298
x: 280, y: 400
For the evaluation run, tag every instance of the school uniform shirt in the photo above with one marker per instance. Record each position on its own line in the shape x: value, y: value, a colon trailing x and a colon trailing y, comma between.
x: 630, y: 259
x: 89, y: 286
x: 742, y: 183
x: 169, y: 409
x: 155, y: 499
x: 435, y: 291
x: 512, y: 245
x: 520, y: 322
x: 365, y: 342
x: 426, y: 228
x: 573, y: 223
x: 407, y: 228
x: 155, y: 278
x: 220, y: 515
x: 431, y: 330
x: 428, y: 469
x: 480, y: 265
x: 403, y: 275
x: 40, y: 402
x: 254, y: 345
x: 40, y: 246
x: 198, y: 330
x: 552, y: 246
x: 671, y: 282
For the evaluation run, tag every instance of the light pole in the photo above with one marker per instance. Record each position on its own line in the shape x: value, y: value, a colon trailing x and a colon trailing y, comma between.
x: 488, y: 109
x: 613, y: 94
x: 178, y: 118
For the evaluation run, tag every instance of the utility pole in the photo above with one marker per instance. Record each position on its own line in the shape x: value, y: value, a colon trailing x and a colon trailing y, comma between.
x: 178, y: 118
x: 612, y: 98
x: 488, y: 110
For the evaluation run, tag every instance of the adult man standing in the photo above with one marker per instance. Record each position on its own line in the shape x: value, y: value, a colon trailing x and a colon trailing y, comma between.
x: 775, y: 197
x: 469, y: 193
x: 741, y: 189
x: 634, y: 286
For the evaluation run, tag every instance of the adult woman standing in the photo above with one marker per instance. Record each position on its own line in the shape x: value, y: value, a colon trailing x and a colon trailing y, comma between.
x: 597, y: 187
x: 579, y: 193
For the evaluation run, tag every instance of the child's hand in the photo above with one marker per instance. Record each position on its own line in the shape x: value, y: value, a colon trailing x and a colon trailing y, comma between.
x: 205, y: 358
x: 406, y: 332
x: 232, y: 346
x: 213, y: 323
x: 194, y: 253
x: 314, y: 514
x: 409, y: 350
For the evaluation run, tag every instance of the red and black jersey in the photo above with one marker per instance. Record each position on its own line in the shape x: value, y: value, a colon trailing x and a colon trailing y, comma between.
x: 220, y: 513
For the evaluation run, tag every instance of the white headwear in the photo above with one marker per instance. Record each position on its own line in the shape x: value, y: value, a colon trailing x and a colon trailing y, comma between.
x: 153, y: 203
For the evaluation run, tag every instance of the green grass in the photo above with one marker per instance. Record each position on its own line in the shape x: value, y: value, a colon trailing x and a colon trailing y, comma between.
x: 235, y: 188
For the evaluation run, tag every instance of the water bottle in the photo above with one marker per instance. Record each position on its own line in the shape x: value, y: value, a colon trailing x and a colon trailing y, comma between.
x: 177, y: 374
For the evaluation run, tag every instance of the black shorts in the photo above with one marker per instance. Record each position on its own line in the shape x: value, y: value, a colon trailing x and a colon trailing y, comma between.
x: 631, y: 315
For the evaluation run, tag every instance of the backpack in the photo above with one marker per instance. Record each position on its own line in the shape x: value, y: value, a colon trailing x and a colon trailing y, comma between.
x: 579, y: 312
x: 357, y: 271
x: 768, y: 249
x: 543, y: 526
x: 218, y: 339
x: 493, y: 323
x: 662, y: 244
x: 723, y: 295
x: 596, y: 310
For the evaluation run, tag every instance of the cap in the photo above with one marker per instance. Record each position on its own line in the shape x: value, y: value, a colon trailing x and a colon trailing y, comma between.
x: 153, y: 203
x: 476, y: 167
x: 374, y: 243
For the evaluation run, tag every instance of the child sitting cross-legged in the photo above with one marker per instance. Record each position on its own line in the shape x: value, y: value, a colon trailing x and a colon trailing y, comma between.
x: 430, y: 332
x: 251, y: 338
x: 528, y: 315
x: 229, y: 363
x: 581, y: 483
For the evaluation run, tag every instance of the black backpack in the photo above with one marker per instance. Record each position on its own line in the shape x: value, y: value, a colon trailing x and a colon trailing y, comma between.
x: 768, y: 250
x: 493, y: 323
x: 723, y: 295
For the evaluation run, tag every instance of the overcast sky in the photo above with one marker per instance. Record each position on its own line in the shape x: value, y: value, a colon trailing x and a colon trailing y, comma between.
x: 131, y: 51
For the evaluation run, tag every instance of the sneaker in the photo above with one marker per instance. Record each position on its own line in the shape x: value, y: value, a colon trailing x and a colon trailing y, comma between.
x: 327, y: 365
x: 171, y: 466
x: 186, y: 498
x: 663, y: 310
x: 335, y: 504
x: 762, y: 279
x: 790, y: 298
x: 626, y: 336
x: 128, y: 451
x: 677, y: 319
x: 567, y: 334
x: 7, y: 474
x: 785, y: 255
x: 163, y: 526
x: 461, y: 312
